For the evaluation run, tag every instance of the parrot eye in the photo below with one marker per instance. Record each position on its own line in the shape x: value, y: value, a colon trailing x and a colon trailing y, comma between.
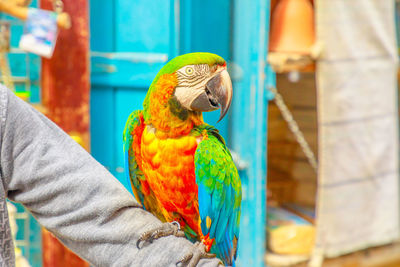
x: 189, y: 70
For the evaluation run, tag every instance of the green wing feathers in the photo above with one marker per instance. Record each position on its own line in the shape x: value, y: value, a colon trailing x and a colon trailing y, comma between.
x: 219, y: 192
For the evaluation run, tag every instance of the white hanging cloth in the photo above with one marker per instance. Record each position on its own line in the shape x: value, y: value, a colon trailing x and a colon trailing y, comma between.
x: 358, y: 190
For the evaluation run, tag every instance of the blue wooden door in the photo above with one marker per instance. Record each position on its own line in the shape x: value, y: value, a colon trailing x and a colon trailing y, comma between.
x: 132, y: 39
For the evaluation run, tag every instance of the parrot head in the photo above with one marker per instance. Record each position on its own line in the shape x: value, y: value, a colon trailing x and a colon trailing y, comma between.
x: 203, y: 83
x: 187, y: 86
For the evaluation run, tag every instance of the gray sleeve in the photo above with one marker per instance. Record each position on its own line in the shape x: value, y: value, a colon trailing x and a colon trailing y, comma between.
x: 75, y: 197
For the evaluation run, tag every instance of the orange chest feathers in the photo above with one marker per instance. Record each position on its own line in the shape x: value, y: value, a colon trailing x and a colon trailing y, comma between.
x: 168, y: 164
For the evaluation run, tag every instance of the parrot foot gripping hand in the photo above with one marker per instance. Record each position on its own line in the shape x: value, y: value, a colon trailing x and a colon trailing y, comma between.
x: 166, y: 229
x: 199, y: 251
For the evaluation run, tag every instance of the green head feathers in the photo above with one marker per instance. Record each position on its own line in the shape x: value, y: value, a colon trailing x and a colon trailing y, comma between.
x: 188, y: 59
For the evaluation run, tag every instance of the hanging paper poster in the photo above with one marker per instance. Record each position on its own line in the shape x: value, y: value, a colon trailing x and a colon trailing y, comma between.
x: 40, y: 32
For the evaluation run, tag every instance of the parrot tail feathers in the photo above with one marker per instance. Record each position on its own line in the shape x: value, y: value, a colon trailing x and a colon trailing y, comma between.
x: 226, y: 250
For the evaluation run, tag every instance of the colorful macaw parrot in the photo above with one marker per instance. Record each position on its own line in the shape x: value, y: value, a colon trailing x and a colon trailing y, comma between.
x: 179, y: 167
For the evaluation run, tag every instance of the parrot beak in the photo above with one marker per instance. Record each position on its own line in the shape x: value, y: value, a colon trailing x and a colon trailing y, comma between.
x: 217, y: 94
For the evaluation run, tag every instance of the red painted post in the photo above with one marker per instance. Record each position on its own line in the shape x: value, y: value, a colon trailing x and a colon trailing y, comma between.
x: 65, y: 77
x: 65, y: 95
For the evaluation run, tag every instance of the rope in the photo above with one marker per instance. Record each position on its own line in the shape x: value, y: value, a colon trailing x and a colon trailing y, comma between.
x: 294, y: 128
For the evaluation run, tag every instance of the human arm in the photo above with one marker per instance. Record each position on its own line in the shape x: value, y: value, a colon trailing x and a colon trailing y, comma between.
x: 73, y: 196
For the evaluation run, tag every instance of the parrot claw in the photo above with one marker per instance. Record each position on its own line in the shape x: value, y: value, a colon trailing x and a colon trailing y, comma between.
x: 165, y: 229
x: 193, y: 257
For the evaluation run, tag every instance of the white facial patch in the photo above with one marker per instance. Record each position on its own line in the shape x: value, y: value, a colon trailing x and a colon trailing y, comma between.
x: 192, y: 80
x: 186, y: 95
